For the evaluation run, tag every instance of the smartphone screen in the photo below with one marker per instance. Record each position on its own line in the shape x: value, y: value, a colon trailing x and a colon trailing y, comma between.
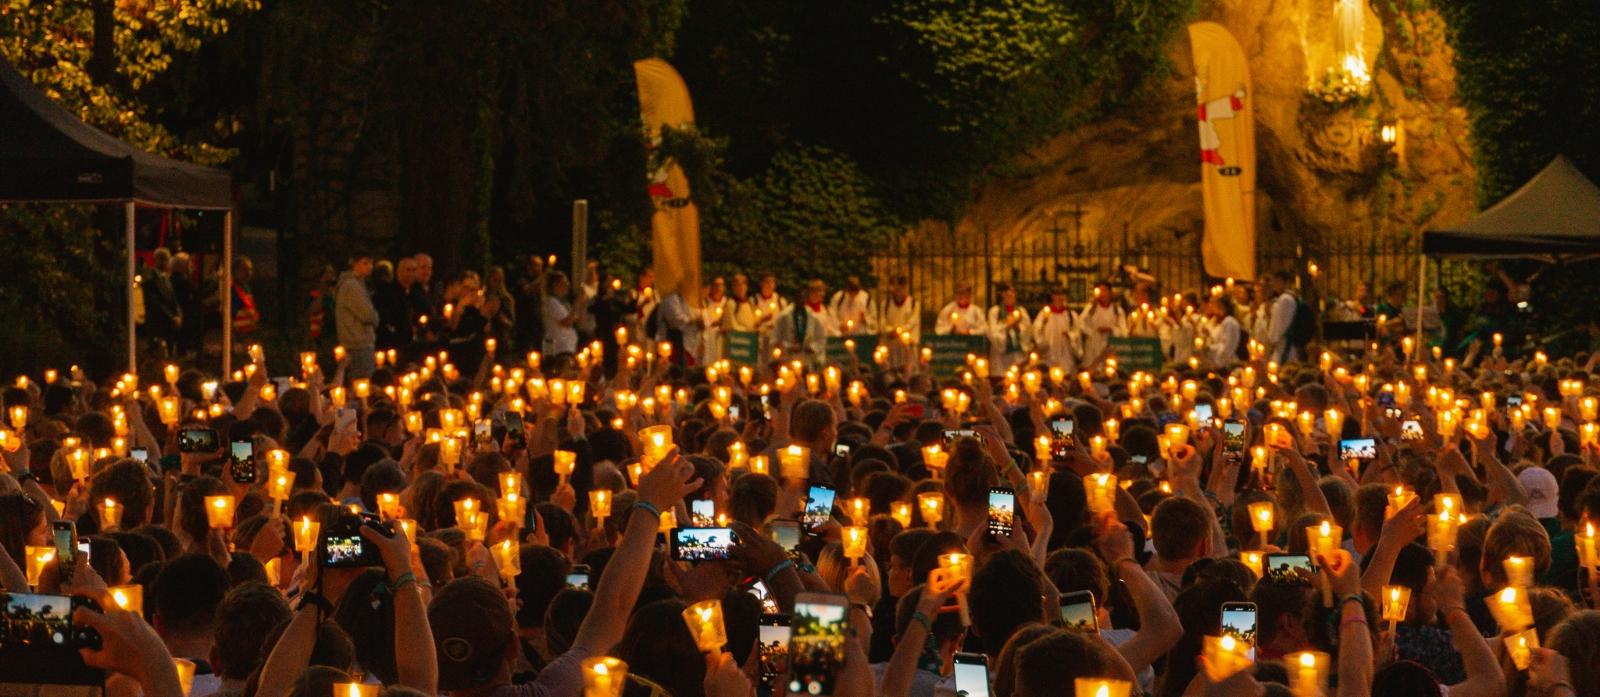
x: 39, y: 643
x: 1061, y: 435
x: 1203, y: 413
x: 1358, y: 449
x: 1078, y: 612
x: 972, y: 674
x: 819, y: 508
x: 841, y: 450
x: 703, y: 513
x: 64, y: 534
x: 786, y: 533
x: 1233, y: 436
x: 1289, y: 568
x: 513, y: 424
x: 773, y: 641
x: 953, y: 435
x: 1385, y: 399
x: 578, y: 577
x: 1411, y: 429
x: 702, y: 544
x: 197, y: 440
x: 816, y: 643
x: 1239, y: 622
x: 482, y: 431
x: 758, y: 588
x: 242, y: 461
x: 1002, y: 511
x: 733, y: 412
x: 140, y: 454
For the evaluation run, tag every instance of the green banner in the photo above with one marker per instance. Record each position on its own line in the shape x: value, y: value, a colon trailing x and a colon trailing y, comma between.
x: 865, y: 345
x: 744, y: 348
x: 950, y: 352
x: 1136, y: 352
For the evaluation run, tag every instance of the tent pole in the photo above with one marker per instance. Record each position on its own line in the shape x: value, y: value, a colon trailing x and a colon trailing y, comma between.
x: 133, y: 337
x: 1422, y: 292
x: 227, y: 293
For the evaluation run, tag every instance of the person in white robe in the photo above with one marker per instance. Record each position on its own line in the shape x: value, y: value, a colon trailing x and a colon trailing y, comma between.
x: 802, y: 330
x: 1055, y: 333
x: 900, y: 322
x: 961, y: 316
x: 1100, y: 321
x: 851, y: 308
x: 1010, y: 332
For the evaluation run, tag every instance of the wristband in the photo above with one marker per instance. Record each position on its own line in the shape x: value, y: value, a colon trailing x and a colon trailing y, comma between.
x: 402, y: 580
x: 923, y: 620
x: 777, y: 569
x: 647, y: 506
x: 22, y: 476
x: 316, y: 599
x: 1353, y: 597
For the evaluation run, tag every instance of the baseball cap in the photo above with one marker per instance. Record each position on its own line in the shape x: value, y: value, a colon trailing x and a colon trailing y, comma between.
x: 471, y: 625
x: 1542, y: 491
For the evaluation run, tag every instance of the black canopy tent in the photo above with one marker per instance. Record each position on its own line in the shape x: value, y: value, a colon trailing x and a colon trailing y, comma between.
x: 48, y: 154
x: 1553, y: 217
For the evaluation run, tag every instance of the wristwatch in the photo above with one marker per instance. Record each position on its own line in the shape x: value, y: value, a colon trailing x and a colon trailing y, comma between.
x: 23, y: 475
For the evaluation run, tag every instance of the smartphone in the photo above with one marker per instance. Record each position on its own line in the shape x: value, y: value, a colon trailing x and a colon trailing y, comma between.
x: 955, y: 434
x: 702, y: 513
x: 816, y: 642
x: 482, y: 432
x: 1233, y: 436
x: 197, y: 440
x: 1289, y: 568
x: 972, y: 674
x: 242, y: 461
x: 1513, y: 401
x: 1137, y: 459
x: 64, y: 535
x: 140, y: 454
x: 758, y: 588
x: 1364, y: 449
x: 1078, y: 613
x: 1239, y: 622
x: 514, y: 427
x: 841, y: 450
x: 819, y: 508
x: 1061, y: 436
x: 1203, y: 413
x: 773, y: 642
x: 1385, y: 399
x: 766, y: 406
x: 733, y: 412
x: 85, y: 551
x: 578, y: 577
x: 39, y: 642
x: 345, y: 418
x: 340, y: 544
x: 1410, y: 429
x: 702, y: 544
x: 1002, y: 511
x: 785, y: 532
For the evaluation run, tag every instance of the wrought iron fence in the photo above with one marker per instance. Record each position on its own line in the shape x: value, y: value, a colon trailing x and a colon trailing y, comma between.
x: 936, y: 263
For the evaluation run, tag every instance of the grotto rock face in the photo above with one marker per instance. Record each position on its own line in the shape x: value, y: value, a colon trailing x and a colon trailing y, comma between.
x: 1127, y: 189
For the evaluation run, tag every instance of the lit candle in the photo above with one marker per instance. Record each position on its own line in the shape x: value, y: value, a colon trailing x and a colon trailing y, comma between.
x: 511, y: 482
x: 901, y: 512
x: 1334, y: 420
x: 760, y: 465
x: 110, y: 514
x: 1039, y: 483
x: 37, y: 558
x: 794, y: 462
x: 600, y: 503
x: 859, y: 509
x: 935, y: 458
x: 1102, y: 492
x: 1225, y: 656
x: 354, y: 689
x: 1512, y: 610
x: 1322, y: 540
x: 932, y: 506
x: 305, y: 535
x: 1100, y: 687
x: 389, y: 505
x: 185, y: 669
x: 854, y: 541
x: 1521, y: 646
x: 1041, y: 449
x: 129, y: 597
x: 603, y: 676
x: 1519, y: 571
x: 1442, y: 529
x: 1261, y: 514
x: 1398, y: 499
x: 1252, y: 560
x: 1308, y: 673
x: 219, y: 512
x: 1394, y: 601
x: 508, y: 556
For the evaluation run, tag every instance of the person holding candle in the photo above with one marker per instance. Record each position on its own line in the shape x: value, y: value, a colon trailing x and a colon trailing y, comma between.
x: 961, y: 315
x: 1010, y: 330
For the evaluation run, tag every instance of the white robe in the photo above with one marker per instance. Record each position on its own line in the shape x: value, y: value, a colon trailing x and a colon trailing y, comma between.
x: 1009, y: 346
x: 852, y: 314
x: 805, y: 337
x: 895, y: 317
x: 1055, y: 335
x: 1096, y: 318
x: 713, y: 316
x: 1223, y: 346
x: 954, y: 319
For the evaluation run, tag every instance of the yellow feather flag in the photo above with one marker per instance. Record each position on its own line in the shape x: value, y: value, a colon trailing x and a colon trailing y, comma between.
x: 1227, y: 152
x: 675, y: 225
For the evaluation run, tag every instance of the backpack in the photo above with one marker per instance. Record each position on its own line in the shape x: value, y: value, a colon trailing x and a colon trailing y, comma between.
x: 1303, y: 327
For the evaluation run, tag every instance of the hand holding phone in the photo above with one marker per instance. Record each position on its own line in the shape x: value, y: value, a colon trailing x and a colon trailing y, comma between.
x: 816, y: 644
x: 1002, y: 511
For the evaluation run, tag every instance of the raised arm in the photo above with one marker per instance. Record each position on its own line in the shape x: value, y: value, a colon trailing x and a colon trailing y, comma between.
x: 1484, y: 677
x: 416, y: 665
x: 1159, y: 627
x: 670, y: 481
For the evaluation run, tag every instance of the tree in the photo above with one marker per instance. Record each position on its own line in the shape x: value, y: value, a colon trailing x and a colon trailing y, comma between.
x: 95, y: 59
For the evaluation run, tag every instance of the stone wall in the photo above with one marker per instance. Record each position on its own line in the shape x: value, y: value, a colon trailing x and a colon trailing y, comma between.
x: 1327, y: 184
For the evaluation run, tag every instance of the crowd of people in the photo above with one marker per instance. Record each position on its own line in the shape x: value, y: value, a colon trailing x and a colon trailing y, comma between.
x: 509, y: 481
